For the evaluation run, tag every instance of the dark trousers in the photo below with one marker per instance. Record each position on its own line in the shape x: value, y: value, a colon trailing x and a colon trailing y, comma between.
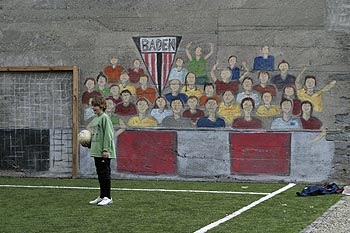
x: 103, y: 169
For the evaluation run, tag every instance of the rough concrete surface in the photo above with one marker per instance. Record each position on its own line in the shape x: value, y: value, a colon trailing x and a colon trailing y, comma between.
x: 336, y: 219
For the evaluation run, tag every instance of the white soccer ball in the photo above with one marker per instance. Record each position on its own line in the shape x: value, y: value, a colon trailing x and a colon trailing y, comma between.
x: 84, y: 138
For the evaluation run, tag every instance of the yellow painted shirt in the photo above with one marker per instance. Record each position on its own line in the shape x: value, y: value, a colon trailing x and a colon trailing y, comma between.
x: 262, y: 111
x: 229, y: 112
x: 145, y: 122
x: 198, y: 92
x: 315, y: 99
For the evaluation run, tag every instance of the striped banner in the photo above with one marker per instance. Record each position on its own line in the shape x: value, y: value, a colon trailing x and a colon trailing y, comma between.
x: 158, y: 55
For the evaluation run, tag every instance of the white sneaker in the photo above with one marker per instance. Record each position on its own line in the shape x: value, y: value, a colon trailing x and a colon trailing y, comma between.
x: 105, y: 201
x: 96, y: 201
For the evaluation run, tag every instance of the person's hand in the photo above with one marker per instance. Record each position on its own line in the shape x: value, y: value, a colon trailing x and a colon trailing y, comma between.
x: 188, y: 45
x: 105, y: 154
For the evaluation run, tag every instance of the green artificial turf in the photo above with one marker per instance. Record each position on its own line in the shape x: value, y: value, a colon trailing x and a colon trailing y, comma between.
x: 67, y: 210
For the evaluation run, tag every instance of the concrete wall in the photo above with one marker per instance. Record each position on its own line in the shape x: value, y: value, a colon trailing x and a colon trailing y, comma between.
x: 87, y: 33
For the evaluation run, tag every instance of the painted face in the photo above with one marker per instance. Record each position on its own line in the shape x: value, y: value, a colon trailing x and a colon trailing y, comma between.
x: 286, y: 106
x: 228, y: 97
x: 263, y: 77
x: 211, y: 106
x: 179, y: 62
x: 289, y: 91
x: 232, y: 61
x: 175, y: 85
x: 115, y: 90
x: 310, y: 83
x: 114, y: 60
x: 160, y: 102
x: 209, y: 90
x: 247, y: 84
x: 198, y: 51
x: 283, y: 67
x: 90, y: 84
x: 137, y: 63
x: 176, y: 105
x: 247, y: 106
x: 143, y: 80
x: 225, y: 75
x: 192, y: 103
x: 267, y: 97
x: 126, y: 97
x: 265, y: 49
x: 102, y: 81
x: 110, y: 104
x: 306, y: 107
x: 124, y: 78
x: 191, y: 78
x: 142, y: 106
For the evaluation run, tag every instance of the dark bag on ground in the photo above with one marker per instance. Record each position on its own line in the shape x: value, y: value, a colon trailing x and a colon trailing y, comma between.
x: 319, y: 190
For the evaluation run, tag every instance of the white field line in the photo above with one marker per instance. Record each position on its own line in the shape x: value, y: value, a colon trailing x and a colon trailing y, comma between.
x: 238, y: 212
x: 129, y: 189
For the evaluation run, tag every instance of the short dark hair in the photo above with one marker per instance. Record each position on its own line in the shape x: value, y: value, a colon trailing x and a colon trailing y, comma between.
x: 310, y: 77
x: 248, y: 99
x: 92, y: 79
x: 126, y: 91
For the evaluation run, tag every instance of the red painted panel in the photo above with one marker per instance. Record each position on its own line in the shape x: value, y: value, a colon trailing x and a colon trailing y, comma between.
x: 146, y: 152
x: 260, y: 153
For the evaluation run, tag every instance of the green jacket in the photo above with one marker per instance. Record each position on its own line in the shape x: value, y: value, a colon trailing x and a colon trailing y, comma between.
x: 102, y: 136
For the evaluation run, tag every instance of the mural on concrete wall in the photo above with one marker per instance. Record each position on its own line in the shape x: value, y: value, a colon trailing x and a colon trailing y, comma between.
x: 173, y: 92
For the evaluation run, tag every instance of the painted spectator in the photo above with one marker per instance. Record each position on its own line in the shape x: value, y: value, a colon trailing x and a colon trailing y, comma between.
x: 175, y: 86
x: 247, y: 85
x: 209, y: 92
x: 115, y: 94
x: 290, y: 93
x: 211, y: 120
x: 308, y: 121
x: 144, y: 90
x: 225, y: 83
x: 125, y: 84
x: 90, y: 84
x: 160, y: 109
x: 267, y: 109
x: 193, y: 112
x: 102, y: 85
x: 263, y: 86
x: 176, y: 120
x: 110, y: 111
x: 89, y: 112
x: 126, y: 107
x: 235, y: 70
x: 113, y: 71
x: 190, y: 87
x: 198, y: 64
x: 283, y: 78
x: 142, y: 120
x: 247, y: 121
x: 286, y: 121
x: 178, y: 72
x: 136, y: 71
x: 309, y: 93
x: 228, y: 109
x: 264, y: 62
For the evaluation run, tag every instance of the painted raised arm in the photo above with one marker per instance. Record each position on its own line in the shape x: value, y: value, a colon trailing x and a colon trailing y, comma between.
x: 211, y: 51
x: 188, y: 51
x: 298, y: 83
x: 212, y: 72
